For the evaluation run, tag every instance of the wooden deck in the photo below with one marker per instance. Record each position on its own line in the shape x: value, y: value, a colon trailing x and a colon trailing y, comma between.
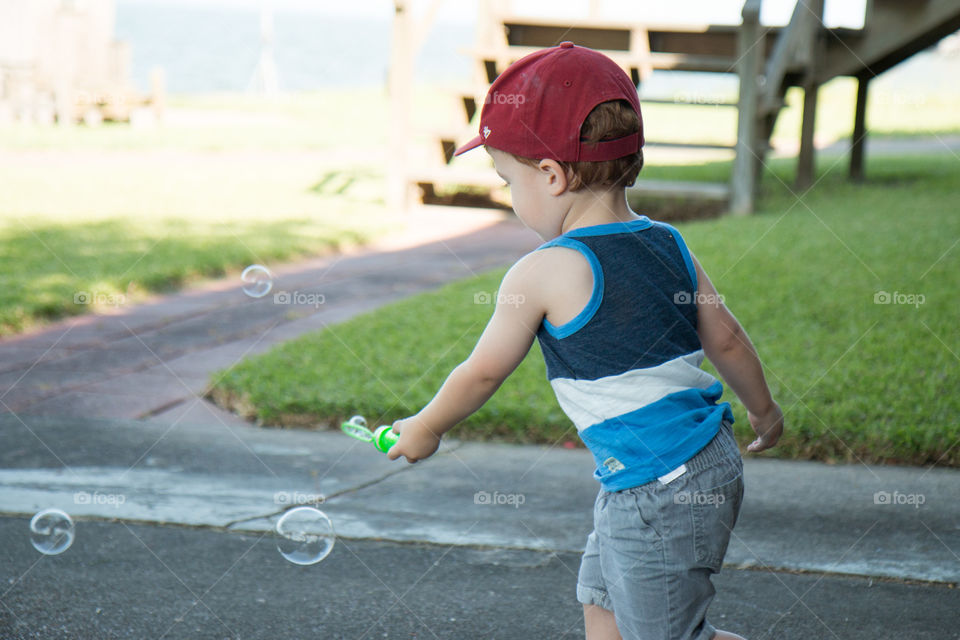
x: 768, y: 61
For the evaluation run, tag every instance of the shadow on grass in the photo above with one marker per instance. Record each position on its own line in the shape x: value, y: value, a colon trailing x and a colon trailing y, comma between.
x: 51, y: 271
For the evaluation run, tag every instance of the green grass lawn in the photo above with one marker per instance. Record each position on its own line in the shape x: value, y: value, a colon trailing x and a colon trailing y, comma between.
x: 231, y: 179
x: 119, y: 212
x: 857, y: 380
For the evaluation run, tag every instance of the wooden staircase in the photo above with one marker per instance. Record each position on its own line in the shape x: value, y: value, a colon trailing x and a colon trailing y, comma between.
x: 768, y: 60
x: 808, y: 55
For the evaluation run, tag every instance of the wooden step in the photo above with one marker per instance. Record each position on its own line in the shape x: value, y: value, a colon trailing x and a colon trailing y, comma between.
x: 689, y: 145
x: 686, y: 103
x: 714, y: 191
x: 456, y: 175
x: 693, y: 62
x: 614, y: 25
x: 606, y: 35
x: 502, y: 57
x: 450, y: 138
x: 893, y: 31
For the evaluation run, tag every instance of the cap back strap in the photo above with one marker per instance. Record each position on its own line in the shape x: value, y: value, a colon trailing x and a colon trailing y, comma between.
x: 610, y: 149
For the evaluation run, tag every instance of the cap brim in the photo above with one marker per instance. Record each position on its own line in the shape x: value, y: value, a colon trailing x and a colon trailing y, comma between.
x: 473, y: 144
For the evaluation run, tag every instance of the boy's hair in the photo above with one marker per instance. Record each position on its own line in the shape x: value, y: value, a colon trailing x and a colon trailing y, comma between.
x: 607, y: 121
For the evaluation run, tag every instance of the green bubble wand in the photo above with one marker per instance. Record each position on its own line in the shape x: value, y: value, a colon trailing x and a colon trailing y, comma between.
x: 383, y: 438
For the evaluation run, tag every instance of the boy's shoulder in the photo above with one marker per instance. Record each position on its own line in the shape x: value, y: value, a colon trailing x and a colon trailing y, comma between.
x: 549, y: 274
x: 551, y: 263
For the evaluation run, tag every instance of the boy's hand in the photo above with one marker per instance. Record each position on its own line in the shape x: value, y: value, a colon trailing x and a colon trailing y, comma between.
x: 768, y: 428
x: 416, y: 441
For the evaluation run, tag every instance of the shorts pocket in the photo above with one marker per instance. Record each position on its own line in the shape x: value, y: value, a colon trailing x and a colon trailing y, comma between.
x: 714, y: 514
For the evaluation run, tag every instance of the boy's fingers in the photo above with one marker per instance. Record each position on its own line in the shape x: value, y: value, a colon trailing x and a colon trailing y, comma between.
x: 393, y: 453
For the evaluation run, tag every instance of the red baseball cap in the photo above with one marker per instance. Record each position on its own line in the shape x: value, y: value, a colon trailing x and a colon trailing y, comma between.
x: 535, y: 108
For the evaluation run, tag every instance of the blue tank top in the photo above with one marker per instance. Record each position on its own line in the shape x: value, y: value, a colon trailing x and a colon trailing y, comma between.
x: 626, y: 370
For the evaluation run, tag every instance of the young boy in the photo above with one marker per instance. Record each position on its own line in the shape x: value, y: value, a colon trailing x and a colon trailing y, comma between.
x: 624, y: 314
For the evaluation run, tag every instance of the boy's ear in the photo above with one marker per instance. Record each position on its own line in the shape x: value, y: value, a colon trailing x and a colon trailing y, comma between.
x: 554, y: 175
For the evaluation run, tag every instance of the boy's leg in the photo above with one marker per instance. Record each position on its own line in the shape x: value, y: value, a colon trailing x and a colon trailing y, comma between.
x: 598, y: 620
x: 600, y: 624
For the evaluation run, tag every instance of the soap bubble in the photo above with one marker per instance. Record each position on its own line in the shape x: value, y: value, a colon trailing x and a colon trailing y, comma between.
x: 306, y: 535
x: 51, y: 532
x: 357, y: 427
x: 258, y: 279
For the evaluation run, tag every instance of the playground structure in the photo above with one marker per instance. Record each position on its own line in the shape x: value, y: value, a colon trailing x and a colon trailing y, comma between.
x: 768, y: 60
x: 59, y: 62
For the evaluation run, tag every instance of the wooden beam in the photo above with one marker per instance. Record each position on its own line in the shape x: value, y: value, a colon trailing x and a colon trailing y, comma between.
x: 743, y: 181
x: 859, y: 130
x: 811, y: 51
x: 499, y: 58
x: 399, y: 81
x: 640, y: 46
x: 807, y: 159
x: 791, y: 51
x: 158, y: 93
x: 893, y: 32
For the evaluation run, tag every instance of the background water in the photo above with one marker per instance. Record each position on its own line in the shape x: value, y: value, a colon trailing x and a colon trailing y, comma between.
x: 215, y: 47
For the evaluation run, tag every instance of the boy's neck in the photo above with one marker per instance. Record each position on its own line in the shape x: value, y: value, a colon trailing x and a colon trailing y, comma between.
x: 591, y: 208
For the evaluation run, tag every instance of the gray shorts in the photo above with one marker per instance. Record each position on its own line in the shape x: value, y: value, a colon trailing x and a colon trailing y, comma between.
x: 654, y: 547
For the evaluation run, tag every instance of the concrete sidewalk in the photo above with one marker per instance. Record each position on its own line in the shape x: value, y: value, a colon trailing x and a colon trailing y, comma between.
x: 880, y: 521
x: 502, y: 520
x: 174, y: 499
x: 157, y: 357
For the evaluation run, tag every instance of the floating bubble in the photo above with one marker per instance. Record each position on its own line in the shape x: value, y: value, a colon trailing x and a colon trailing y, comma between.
x: 357, y: 428
x: 258, y: 279
x: 51, y: 532
x: 306, y: 535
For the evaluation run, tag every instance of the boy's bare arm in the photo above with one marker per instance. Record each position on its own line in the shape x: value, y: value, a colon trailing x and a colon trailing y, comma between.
x: 728, y: 347
x: 503, y: 345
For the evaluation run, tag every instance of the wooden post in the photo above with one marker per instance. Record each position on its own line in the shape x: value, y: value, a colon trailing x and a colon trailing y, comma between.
x: 158, y: 93
x: 806, y: 160
x: 640, y: 47
x: 750, y: 52
x: 859, y: 130
x: 400, y: 93
x: 67, y: 26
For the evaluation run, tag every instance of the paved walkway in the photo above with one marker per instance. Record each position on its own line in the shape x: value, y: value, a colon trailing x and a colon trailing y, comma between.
x: 103, y: 421
x: 155, y: 358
